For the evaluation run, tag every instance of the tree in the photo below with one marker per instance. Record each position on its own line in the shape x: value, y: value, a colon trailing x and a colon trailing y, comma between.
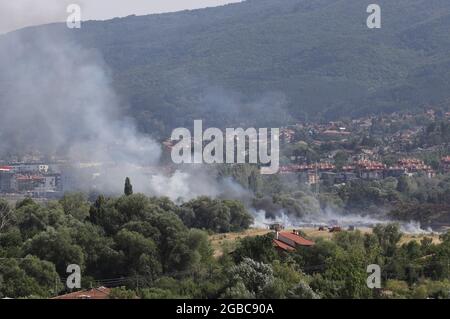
x: 254, y: 276
x: 128, y: 190
x: 122, y: 293
x: 347, y: 270
x: 258, y: 248
x: 172, y: 241
x: 238, y: 291
x: 100, y: 256
x: 158, y: 293
x: 11, y: 243
x: 388, y: 237
x: 75, y: 204
x: 44, y: 273
x: 32, y: 218
x: 209, y: 214
x: 5, y: 215
x: 254, y: 182
x: 438, y: 266
x: 14, y: 282
x: 140, y: 254
x: 399, y: 288
x: 28, y: 277
x: 56, y: 246
x: 302, y: 291
x: 220, y: 216
x: 341, y: 159
x: 199, y: 243
x: 240, y: 219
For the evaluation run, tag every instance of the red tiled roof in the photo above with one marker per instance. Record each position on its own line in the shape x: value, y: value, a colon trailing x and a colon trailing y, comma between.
x: 304, y: 168
x: 334, y: 132
x: 370, y: 165
x: 29, y: 178
x: 299, y: 240
x: 281, y: 245
x: 96, y: 293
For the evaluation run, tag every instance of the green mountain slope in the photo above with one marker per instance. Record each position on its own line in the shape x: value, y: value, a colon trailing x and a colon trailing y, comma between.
x: 266, y: 62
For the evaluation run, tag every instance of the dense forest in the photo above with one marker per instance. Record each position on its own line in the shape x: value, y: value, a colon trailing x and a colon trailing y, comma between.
x: 131, y: 236
x: 153, y: 248
x: 269, y: 62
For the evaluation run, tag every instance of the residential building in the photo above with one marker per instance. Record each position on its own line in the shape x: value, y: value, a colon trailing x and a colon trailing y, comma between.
x: 370, y: 170
x: 289, y: 241
x: 445, y: 163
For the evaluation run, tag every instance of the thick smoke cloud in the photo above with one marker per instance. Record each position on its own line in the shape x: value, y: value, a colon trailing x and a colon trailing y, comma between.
x: 330, y: 218
x: 56, y: 100
x: 188, y: 184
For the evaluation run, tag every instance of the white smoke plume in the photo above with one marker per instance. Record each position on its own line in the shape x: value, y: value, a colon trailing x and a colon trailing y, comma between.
x: 56, y: 99
x: 415, y: 228
x: 332, y: 219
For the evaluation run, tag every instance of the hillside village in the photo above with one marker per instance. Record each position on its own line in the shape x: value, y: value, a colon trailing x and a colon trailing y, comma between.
x: 30, y: 178
x: 369, y: 148
x: 333, y: 153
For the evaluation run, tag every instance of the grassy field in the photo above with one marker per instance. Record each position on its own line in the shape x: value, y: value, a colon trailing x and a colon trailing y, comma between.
x: 221, y: 242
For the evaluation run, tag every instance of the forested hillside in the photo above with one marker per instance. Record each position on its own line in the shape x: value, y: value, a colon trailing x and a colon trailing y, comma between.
x: 268, y: 62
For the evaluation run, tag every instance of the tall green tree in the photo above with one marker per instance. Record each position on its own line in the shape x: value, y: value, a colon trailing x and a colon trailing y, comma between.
x: 5, y: 214
x: 128, y: 190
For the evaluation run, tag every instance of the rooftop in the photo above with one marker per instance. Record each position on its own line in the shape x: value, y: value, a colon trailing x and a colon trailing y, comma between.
x: 281, y: 245
x: 297, y: 239
x: 96, y: 293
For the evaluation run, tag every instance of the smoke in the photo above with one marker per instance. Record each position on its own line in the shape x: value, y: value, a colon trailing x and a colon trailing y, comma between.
x: 261, y: 220
x: 180, y: 186
x: 328, y: 218
x: 242, y: 110
x: 188, y: 184
x: 57, y: 100
x: 414, y: 228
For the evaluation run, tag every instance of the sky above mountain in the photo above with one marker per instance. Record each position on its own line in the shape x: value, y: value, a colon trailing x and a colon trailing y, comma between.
x: 22, y: 13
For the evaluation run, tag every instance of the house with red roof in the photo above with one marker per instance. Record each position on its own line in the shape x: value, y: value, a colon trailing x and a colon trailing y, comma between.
x: 95, y: 293
x: 289, y: 241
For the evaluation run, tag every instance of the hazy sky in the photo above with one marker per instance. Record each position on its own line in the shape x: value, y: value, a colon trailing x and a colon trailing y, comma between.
x: 15, y: 14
